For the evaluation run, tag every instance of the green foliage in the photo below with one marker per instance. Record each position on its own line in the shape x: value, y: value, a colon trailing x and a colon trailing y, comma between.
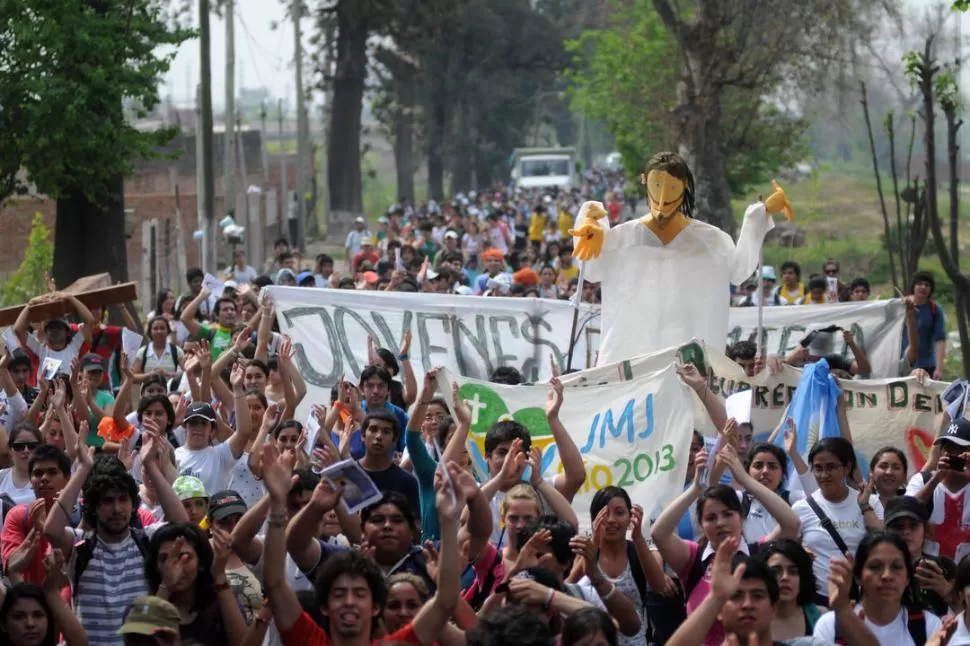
x: 961, y: 5
x: 625, y: 76
x: 946, y: 90
x: 30, y: 280
x: 67, y: 68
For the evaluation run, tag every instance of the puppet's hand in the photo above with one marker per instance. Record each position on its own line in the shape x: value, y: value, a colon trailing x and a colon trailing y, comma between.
x: 778, y: 202
x: 590, y: 234
x: 590, y: 240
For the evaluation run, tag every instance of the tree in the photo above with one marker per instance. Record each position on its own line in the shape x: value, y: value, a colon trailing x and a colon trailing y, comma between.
x: 938, y: 88
x: 622, y: 76
x: 30, y: 280
x: 66, y: 69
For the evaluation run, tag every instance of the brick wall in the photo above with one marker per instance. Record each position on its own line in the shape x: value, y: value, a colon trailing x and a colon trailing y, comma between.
x: 148, y: 193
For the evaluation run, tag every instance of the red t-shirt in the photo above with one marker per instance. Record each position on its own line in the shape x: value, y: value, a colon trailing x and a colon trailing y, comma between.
x: 305, y: 632
x: 361, y: 256
x: 108, y: 338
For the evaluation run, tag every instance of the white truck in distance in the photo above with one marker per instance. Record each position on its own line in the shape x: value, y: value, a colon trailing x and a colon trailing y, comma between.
x: 544, y: 168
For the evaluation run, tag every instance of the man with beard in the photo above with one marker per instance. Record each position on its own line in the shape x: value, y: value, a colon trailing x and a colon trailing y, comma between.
x: 106, y: 566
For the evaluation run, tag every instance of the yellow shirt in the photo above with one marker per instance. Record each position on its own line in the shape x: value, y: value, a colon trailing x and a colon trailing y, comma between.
x: 537, y: 226
x: 565, y: 224
x: 566, y: 274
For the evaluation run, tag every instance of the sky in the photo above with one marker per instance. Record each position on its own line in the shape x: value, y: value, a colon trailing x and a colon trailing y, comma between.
x: 264, y: 56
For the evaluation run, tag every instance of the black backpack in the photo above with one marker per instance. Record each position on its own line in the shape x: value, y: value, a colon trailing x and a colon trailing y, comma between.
x: 84, y: 551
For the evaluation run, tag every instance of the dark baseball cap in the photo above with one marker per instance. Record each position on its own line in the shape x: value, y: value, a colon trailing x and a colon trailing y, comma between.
x: 958, y: 432
x: 906, y: 507
x: 202, y: 410
x: 92, y: 362
x: 225, y: 503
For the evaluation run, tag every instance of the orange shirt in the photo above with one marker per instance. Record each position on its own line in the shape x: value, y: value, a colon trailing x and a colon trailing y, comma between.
x: 307, y: 633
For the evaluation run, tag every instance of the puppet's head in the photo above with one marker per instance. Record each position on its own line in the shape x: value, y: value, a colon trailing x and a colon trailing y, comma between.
x: 669, y: 184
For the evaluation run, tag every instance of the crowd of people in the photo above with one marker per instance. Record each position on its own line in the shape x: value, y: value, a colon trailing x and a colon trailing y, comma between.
x: 172, y: 497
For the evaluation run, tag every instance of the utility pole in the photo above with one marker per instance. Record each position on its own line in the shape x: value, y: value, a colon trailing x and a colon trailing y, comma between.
x: 201, y: 221
x: 262, y: 138
x: 208, y: 181
x: 242, y: 167
x: 327, y: 102
x: 229, y: 140
x: 302, y: 134
x: 285, y: 197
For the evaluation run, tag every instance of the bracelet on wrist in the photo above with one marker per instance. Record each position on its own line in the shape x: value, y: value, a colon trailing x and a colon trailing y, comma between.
x: 221, y: 585
x: 609, y: 594
x: 552, y: 594
x: 402, y: 357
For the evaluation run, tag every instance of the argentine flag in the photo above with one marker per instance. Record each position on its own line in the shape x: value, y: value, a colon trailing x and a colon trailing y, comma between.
x: 813, y: 407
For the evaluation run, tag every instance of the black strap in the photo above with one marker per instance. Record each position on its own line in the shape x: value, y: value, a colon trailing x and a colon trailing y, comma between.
x: 485, y: 589
x: 828, y: 526
x: 636, y: 570
x: 916, y: 624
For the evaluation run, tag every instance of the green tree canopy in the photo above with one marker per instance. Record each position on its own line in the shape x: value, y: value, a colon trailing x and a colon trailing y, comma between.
x: 626, y: 76
x: 66, y: 69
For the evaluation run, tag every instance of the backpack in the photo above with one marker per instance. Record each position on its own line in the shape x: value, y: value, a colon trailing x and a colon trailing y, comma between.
x: 747, y: 499
x: 143, y: 355
x: 915, y: 624
x: 84, y: 551
x: 636, y: 569
x: 484, y: 590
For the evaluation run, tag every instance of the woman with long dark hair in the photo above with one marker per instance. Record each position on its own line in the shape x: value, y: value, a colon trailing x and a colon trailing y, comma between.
x: 32, y: 615
x: 182, y: 568
x: 796, y: 613
x: 884, y: 571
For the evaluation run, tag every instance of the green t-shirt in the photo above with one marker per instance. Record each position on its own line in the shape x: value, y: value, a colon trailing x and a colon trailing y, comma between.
x: 103, y: 399
x: 220, y: 338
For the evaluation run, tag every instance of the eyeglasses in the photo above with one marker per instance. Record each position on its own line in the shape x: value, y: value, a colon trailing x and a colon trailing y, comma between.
x: 24, y: 446
x: 831, y: 272
x: 826, y: 468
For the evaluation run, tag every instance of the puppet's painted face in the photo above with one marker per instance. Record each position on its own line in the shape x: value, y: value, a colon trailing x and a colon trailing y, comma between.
x: 665, y: 193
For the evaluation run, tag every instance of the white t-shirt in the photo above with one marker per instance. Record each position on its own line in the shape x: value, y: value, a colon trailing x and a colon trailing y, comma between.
x: 211, y: 465
x: 759, y: 522
x: 244, y: 482
x: 961, y: 637
x: 847, y: 519
x: 242, y: 276
x: 67, y: 355
x: 20, y: 495
x: 895, y: 633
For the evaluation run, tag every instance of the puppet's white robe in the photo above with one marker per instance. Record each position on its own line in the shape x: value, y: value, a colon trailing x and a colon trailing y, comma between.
x: 656, y: 296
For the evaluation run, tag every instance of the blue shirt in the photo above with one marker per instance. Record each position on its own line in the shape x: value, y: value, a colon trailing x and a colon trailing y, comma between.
x: 357, y: 439
x: 930, y: 327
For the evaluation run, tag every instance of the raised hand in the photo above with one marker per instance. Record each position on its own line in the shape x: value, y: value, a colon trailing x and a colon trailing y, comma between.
x: 448, y: 500
x: 285, y: 350
x: 431, y: 559
x: 326, y: 494
x: 55, y: 578
x: 221, y: 550
x: 554, y: 398
x: 176, y: 564
x: 691, y: 376
x: 126, y: 455
x: 791, y: 436
x: 242, y: 339
x: 528, y: 554
x: 276, y: 477
x: 24, y: 554
x: 514, y: 464
x: 840, y: 582
x: 406, y: 342
x: 724, y: 583
x: 272, y: 415
x: 462, y: 414
x: 535, y: 461
x: 430, y: 385
x: 636, y: 520
x: 148, y: 436
x: 237, y: 376
x: 700, y: 465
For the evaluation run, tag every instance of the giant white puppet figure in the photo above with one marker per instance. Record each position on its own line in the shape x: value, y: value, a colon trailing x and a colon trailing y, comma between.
x: 664, y: 277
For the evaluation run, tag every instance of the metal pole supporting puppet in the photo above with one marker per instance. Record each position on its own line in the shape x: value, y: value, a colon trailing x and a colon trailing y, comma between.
x: 577, y: 301
x: 761, y: 303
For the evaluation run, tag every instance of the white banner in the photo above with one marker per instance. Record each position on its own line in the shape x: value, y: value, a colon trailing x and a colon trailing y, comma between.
x: 634, y: 434
x: 896, y: 412
x: 475, y: 335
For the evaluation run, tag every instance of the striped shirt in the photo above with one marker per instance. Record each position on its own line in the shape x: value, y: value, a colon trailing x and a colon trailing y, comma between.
x: 109, y: 584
